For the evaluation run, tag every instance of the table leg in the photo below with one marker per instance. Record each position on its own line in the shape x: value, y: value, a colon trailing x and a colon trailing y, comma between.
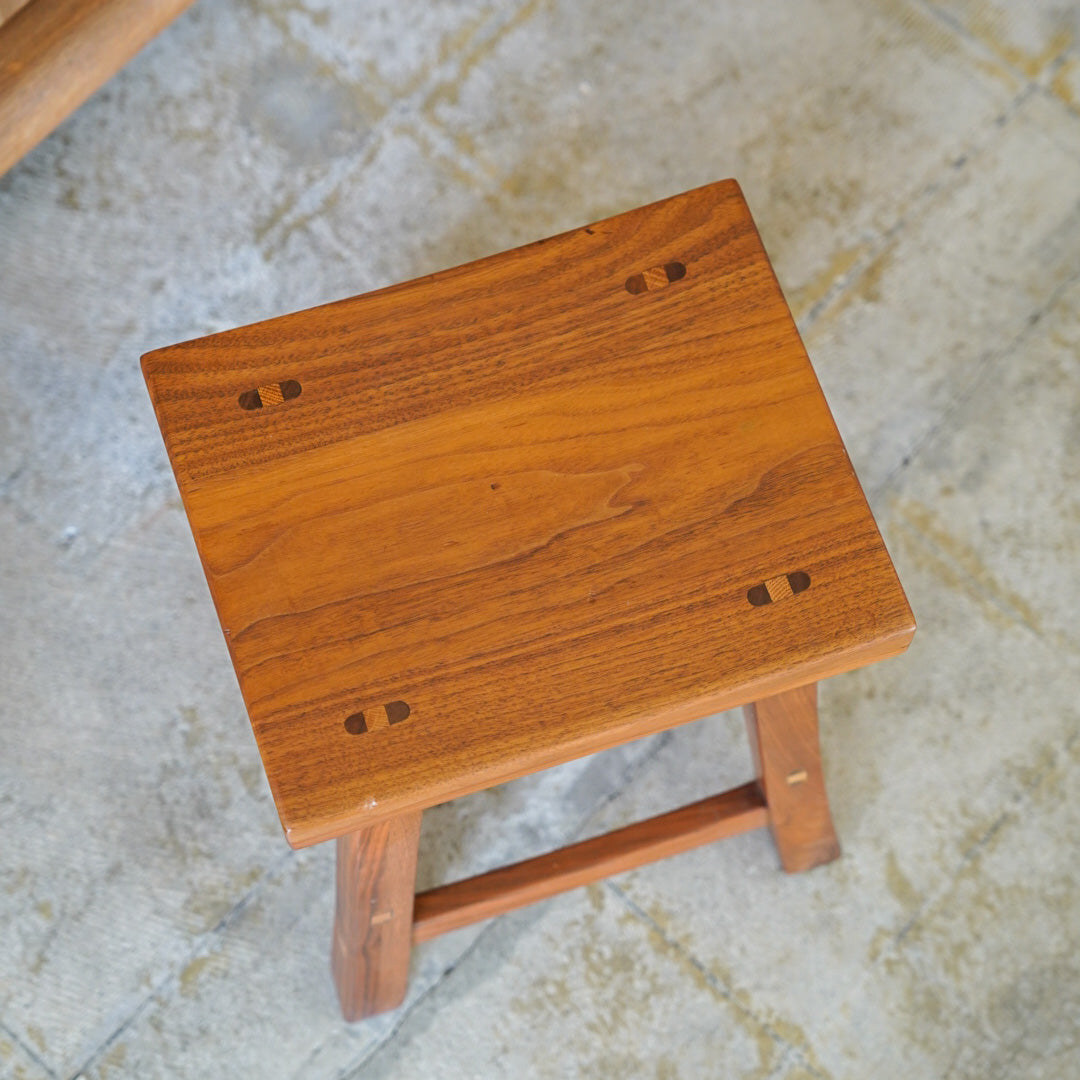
x: 784, y: 736
x: 376, y: 876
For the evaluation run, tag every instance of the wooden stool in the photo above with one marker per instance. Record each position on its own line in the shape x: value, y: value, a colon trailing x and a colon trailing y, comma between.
x: 493, y: 519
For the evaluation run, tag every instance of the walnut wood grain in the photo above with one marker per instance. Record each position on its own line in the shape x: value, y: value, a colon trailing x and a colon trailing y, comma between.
x: 376, y: 875
x: 453, y: 906
x: 528, y: 502
x: 55, y: 53
x: 783, y: 734
x: 9, y: 7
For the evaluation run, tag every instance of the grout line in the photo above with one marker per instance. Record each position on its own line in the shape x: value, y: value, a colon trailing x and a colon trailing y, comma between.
x: 27, y: 1050
x: 7, y: 482
x: 1040, y: 84
x: 627, y: 777
x: 353, y: 1069
x: 878, y: 245
x: 629, y: 774
x: 984, y: 372
x: 201, y: 945
x: 951, y: 23
x: 1069, y: 109
x: 1027, y: 89
x: 881, y: 242
x: 299, y: 208
x: 1013, y: 615
x: 409, y: 111
x: 719, y: 987
x: 1012, y: 808
x: 399, y: 110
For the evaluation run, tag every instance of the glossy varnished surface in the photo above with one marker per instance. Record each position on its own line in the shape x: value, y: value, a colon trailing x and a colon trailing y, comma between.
x: 521, y: 510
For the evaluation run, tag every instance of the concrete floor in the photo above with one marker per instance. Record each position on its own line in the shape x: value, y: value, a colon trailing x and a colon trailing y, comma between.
x: 915, y: 171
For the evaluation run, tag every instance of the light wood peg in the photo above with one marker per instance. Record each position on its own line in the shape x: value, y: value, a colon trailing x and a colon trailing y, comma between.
x: 779, y: 588
x: 656, y: 277
x: 269, y: 394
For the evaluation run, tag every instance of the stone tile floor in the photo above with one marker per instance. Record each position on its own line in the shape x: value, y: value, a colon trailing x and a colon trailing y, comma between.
x: 915, y: 170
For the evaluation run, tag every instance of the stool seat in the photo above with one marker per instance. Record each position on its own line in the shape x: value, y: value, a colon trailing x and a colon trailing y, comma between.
x: 495, y: 518
x: 478, y: 524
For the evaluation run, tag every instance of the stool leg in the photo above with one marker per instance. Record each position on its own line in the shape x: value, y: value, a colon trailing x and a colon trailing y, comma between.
x: 376, y: 876
x: 784, y: 736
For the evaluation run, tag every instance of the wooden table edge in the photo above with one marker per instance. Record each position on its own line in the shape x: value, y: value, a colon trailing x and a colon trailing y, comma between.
x: 304, y: 833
